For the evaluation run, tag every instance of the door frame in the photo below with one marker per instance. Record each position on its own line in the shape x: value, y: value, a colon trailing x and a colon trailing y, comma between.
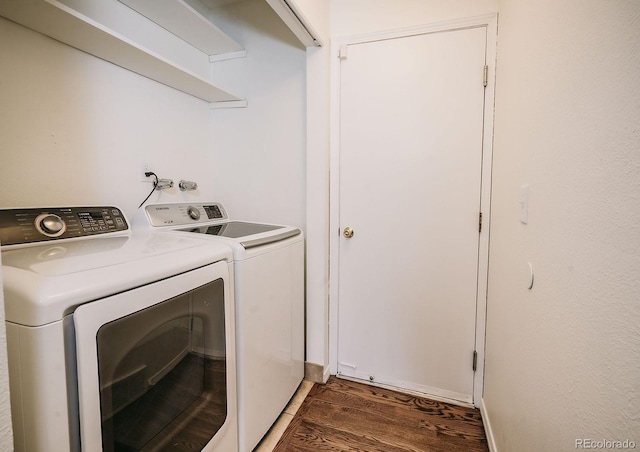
x: 340, y: 45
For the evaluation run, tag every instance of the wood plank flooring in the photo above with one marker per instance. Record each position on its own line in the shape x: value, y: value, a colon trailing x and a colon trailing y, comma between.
x: 344, y: 415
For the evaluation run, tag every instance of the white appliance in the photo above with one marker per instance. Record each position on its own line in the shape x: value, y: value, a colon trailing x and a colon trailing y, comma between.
x: 269, y: 300
x: 116, y: 340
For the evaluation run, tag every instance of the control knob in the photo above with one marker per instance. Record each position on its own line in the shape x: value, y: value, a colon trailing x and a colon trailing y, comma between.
x: 193, y: 213
x: 50, y: 224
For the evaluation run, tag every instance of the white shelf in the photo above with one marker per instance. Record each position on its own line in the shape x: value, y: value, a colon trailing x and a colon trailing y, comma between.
x: 292, y: 16
x: 66, y: 25
x: 177, y: 17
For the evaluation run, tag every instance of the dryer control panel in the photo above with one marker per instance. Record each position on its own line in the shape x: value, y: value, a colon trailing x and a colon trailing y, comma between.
x: 19, y: 226
x: 183, y: 214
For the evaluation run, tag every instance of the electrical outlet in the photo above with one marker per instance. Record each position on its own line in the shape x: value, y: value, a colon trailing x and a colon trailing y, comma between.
x: 144, y: 168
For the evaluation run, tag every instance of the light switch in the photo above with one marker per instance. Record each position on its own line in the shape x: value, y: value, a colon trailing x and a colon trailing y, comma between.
x: 524, y: 204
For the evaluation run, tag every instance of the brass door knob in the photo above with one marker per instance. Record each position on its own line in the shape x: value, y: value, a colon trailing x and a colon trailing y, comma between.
x: 348, y: 232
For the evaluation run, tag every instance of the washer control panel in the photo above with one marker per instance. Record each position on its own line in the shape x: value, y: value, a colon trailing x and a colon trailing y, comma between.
x: 18, y: 226
x: 181, y: 214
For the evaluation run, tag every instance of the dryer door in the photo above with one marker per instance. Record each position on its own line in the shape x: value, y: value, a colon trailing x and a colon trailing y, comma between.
x: 156, y: 365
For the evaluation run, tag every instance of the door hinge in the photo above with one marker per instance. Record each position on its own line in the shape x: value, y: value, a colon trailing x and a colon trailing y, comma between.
x: 475, y: 360
x: 480, y: 222
x: 342, y: 52
x: 485, y: 77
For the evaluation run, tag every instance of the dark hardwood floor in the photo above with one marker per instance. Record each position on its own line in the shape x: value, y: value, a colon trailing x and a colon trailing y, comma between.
x: 344, y: 415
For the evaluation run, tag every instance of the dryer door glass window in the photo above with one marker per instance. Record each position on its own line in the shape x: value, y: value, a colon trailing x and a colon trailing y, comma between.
x: 162, y: 374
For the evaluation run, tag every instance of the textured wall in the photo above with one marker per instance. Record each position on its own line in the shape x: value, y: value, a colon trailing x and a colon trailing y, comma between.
x: 563, y: 359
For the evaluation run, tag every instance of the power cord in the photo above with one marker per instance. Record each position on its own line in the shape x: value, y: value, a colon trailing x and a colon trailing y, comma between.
x: 155, y: 183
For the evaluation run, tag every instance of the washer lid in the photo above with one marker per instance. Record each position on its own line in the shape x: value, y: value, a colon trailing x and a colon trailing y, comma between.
x: 235, y: 229
x: 248, y: 235
x: 43, y: 283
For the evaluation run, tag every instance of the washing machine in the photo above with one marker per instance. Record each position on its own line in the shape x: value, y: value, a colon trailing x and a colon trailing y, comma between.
x: 117, y: 340
x: 269, y: 301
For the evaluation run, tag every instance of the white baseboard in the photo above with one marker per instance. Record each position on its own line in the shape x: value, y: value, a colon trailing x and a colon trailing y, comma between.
x: 487, y: 427
x: 316, y: 372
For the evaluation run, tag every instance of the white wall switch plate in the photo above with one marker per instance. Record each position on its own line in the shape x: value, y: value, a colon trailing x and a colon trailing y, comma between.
x: 524, y: 204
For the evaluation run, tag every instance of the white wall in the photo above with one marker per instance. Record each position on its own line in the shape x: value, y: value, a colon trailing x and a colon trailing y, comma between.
x: 317, y: 202
x: 563, y: 359
x: 355, y: 17
x: 74, y: 129
x: 259, y: 152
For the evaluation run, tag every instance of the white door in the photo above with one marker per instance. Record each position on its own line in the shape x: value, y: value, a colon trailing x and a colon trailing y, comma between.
x: 411, y: 137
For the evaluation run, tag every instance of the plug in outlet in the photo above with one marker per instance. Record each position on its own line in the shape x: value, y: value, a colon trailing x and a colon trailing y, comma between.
x: 145, y: 167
